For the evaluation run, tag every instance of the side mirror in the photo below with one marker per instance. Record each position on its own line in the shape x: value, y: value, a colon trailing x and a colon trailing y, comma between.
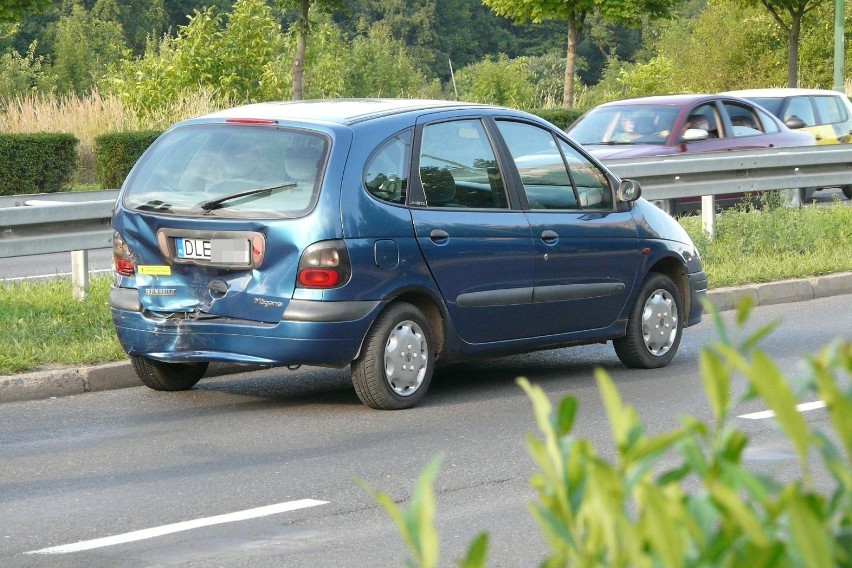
x: 628, y: 190
x: 693, y: 134
x: 794, y: 122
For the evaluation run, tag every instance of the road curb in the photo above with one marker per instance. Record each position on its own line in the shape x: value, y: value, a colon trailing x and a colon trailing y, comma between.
x: 782, y: 291
x: 68, y: 381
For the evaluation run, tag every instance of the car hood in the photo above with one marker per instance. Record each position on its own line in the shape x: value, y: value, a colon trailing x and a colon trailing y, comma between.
x: 620, y: 151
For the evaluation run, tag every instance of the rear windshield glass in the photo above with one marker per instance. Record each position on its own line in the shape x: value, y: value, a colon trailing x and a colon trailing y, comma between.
x: 230, y: 171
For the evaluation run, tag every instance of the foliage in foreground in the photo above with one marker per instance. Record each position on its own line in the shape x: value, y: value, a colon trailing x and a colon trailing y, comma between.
x: 594, y: 512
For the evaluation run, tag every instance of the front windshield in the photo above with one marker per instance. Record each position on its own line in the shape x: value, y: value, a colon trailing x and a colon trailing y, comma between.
x: 228, y: 165
x: 625, y: 124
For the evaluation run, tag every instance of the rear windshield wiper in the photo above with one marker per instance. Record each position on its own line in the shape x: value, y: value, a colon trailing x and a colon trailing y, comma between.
x: 257, y: 193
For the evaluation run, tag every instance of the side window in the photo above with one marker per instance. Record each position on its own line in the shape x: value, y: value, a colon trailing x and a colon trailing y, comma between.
x: 830, y: 110
x: 546, y: 181
x: 800, y: 107
x: 744, y: 121
x: 769, y: 125
x: 592, y: 185
x: 703, y: 117
x: 386, y: 172
x: 458, y: 167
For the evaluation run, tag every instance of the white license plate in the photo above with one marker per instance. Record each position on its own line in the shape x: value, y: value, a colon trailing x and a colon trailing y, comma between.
x: 234, y: 251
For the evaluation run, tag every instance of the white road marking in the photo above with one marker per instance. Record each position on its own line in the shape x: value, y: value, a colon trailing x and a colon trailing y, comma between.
x: 804, y: 407
x: 178, y: 527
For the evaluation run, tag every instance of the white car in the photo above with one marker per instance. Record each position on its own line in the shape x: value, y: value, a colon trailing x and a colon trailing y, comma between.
x: 826, y: 115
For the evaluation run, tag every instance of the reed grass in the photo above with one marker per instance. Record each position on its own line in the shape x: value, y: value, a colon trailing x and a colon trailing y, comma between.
x: 89, y: 116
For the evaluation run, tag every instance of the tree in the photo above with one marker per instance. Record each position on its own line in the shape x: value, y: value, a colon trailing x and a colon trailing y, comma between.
x: 236, y: 56
x: 14, y: 10
x: 575, y: 12
x: 302, y: 31
x: 788, y: 14
x: 85, y: 46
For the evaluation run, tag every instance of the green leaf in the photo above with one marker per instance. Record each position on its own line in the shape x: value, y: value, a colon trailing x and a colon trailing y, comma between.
x: 757, y: 336
x: 839, y: 406
x: 718, y: 323
x: 659, y: 519
x: 734, y: 444
x: 566, y: 413
x: 809, y: 533
x: 477, y: 552
x: 618, y: 416
x: 416, y: 523
x: 716, y: 380
x: 744, y: 307
x: 422, y: 508
x: 738, y: 513
x: 767, y: 379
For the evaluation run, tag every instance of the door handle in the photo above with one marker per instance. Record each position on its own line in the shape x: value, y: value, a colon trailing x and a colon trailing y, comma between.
x: 549, y: 237
x: 439, y: 236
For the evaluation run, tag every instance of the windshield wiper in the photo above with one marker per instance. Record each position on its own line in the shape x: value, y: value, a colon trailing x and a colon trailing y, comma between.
x: 256, y: 193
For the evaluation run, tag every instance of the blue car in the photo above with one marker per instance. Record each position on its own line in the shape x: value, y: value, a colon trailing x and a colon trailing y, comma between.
x: 389, y: 236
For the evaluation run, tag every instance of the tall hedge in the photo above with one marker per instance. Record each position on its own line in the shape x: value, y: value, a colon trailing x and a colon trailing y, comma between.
x: 37, y: 163
x: 561, y: 117
x: 115, y: 154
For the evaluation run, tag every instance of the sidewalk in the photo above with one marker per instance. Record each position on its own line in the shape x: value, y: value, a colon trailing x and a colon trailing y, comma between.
x: 107, y: 376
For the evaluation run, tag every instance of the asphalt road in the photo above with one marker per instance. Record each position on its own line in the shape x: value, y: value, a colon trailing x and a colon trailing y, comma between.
x: 106, y: 464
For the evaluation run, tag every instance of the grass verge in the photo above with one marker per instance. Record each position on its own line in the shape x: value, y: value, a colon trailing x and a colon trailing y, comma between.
x: 43, y: 326
x: 774, y: 243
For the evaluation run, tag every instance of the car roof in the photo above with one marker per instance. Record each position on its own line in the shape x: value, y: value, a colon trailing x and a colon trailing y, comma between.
x: 678, y: 100
x: 343, y: 111
x: 781, y: 92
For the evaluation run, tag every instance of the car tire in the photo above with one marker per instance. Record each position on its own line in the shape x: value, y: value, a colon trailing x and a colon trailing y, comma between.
x: 847, y: 191
x: 394, y: 368
x: 667, y: 205
x: 654, y: 326
x: 167, y: 376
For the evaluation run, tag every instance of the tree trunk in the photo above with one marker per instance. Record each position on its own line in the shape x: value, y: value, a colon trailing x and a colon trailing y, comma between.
x: 570, y: 57
x: 301, y: 44
x: 793, y: 51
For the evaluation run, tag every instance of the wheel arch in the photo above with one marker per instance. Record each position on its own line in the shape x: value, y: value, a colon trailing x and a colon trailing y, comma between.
x: 676, y: 270
x: 431, y: 308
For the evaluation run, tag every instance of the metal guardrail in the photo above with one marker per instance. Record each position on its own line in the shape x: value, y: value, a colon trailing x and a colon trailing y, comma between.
x: 748, y: 171
x: 79, y: 221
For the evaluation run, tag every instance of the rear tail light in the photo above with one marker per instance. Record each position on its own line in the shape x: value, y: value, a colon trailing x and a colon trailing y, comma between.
x: 122, y: 264
x: 324, y: 265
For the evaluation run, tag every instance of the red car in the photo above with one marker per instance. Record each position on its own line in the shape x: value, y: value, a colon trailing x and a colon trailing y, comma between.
x: 678, y: 124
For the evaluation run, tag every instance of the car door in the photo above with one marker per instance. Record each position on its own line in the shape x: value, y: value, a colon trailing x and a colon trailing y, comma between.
x: 831, y: 114
x: 478, y: 249
x: 587, y: 252
x: 743, y: 127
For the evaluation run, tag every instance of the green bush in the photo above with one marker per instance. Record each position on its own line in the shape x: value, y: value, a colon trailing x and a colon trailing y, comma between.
x: 561, y: 117
x: 706, y: 510
x: 115, y: 154
x: 36, y: 163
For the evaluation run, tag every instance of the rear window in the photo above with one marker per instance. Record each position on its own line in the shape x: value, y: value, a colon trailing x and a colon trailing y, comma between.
x: 230, y: 171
